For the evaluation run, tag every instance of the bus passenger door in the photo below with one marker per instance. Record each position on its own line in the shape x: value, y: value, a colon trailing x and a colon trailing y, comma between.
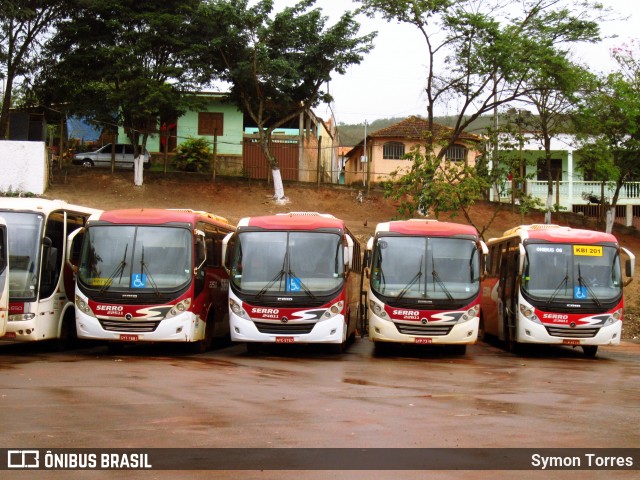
x: 4, y: 277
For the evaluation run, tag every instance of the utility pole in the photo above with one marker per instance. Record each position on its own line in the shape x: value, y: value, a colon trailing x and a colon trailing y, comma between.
x: 364, y: 159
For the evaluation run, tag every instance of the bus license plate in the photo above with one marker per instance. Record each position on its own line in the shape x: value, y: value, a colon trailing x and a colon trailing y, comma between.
x: 571, y: 342
x: 424, y: 341
x: 284, y: 339
x: 10, y: 335
x: 128, y: 338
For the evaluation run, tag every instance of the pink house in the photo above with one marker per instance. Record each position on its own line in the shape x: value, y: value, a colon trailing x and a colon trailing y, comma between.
x: 386, y: 148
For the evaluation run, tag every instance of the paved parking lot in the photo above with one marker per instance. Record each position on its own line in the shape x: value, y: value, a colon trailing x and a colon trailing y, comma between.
x: 304, y: 396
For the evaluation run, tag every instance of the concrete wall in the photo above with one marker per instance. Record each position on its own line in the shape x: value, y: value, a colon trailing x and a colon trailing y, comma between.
x: 23, y: 166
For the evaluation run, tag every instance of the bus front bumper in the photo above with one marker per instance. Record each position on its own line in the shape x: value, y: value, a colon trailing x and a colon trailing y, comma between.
x: 531, y: 332
x: 386, y: 331
x: 185, y: 327
x: 331, y: 330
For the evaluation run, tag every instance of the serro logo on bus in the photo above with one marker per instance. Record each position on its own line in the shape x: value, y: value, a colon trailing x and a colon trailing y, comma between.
x: 407, y: 313
x: 268, y: 311
x: 110, y: 308
x: 555, y: 316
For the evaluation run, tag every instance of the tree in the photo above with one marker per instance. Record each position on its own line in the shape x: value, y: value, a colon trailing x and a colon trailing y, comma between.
x: 610, y: 117
x: 480, y: 58
x: 24, y: 25
x: 277, y: 64
x: 125, y: 63
x: 553, y: 89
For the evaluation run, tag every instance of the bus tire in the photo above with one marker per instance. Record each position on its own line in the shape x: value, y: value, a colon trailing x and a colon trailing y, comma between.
x: 381, y: 348
x: 510, y: 342
x: 590, y: 351
x: 68, y: 336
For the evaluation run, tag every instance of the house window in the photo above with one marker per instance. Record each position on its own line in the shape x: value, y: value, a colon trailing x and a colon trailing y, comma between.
x: 210, y: 123
x: 456, y: 153
x: 556, y: 170
x: 393, y: 150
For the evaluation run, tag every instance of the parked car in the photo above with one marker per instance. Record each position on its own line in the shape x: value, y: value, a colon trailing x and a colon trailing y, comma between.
x: 102, y: 157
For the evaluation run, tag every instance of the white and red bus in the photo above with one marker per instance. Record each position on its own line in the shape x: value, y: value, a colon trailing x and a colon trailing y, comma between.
x: 548, y: 284
x: 152, y: 275
x: 424, y: 285
x: 40, y: 285
x: 294, y: 278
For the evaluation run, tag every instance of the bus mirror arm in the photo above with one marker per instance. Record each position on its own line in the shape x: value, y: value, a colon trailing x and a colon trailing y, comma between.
x: 73, y: 261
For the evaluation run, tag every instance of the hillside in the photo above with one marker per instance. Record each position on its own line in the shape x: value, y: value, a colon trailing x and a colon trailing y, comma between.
x: 237, y: 198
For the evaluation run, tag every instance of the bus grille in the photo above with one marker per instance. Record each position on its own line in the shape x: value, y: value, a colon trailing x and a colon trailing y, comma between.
x: 572, y: 332
x: 284, y: 328
x: 432, y: 330
x: 132, y: 327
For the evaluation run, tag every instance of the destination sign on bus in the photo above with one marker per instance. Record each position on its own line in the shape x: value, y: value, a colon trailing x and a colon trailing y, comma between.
x: 587, y: 250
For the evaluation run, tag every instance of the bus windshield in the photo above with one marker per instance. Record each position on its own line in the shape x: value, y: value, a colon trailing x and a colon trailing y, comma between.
x: 295, y: 263
x: 575, y: 273
x: 24, y: 231
x: 140, y: 258
x: 425, y: 268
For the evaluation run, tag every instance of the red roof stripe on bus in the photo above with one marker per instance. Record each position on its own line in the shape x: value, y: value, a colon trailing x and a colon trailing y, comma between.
x: 295, y: 222
x: 150, y: 216
x: 426, y: 227
x: 567, y: 235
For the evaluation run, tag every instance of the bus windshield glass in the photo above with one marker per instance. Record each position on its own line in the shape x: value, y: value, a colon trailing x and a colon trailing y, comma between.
x: 140, y: 258
x: 561, y: 272
x: 425, y: 268
x: 25, y: 232
x: 295, y: 263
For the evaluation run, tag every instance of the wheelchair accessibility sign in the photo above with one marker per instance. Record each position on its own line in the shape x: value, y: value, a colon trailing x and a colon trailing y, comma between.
x: 138, y: 280
x: 579, y: 293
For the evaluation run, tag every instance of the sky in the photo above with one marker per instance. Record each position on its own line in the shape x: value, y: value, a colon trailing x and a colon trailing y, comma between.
x: 390, y: 80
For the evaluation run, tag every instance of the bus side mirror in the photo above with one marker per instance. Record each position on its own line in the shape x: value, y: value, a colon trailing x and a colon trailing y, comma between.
x: 629, y: 265
x: 348, y: 251
x: 483, y: 260
x: 226, y: 251
x: 74, y: 248
x: 201, y: 252
x: 366, y: 262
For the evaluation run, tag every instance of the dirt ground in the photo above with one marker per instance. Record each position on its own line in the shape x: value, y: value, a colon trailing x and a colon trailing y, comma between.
x: 238, y: 198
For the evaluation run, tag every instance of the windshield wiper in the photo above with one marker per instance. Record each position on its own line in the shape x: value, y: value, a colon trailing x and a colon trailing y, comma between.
x: 415, y: 278
x: 582, y: 281
x: 563, y: 283
x: 144, y: 268
x: 119, y: 270
x: 439, y: 281
x: 278, y: 276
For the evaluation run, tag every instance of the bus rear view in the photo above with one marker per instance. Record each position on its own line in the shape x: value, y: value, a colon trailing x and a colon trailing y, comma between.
x: 424, y: 283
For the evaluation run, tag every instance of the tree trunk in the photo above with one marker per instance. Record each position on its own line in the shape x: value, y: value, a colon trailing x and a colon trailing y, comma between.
x: 6, y: 104
x: 278, y: 187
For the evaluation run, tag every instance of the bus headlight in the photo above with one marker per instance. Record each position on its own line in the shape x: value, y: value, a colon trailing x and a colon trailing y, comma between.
x: 84, y: 307
x: 469, y: 314
x: 377, y: 309
x: 615, y: 317
x: 529, y: 313
x: 333, y: 310
x: 178, y: 308
x: 237, y: 309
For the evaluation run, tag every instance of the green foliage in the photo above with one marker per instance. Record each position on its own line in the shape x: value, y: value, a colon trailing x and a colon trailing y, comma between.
x: 193, y: 155
x: 433, y: 185
x: 278, y: 63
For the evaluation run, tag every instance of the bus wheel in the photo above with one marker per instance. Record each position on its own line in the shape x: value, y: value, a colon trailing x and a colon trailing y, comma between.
x: 590, y: 351
x: 68, y: 336
x: 381, y: 348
